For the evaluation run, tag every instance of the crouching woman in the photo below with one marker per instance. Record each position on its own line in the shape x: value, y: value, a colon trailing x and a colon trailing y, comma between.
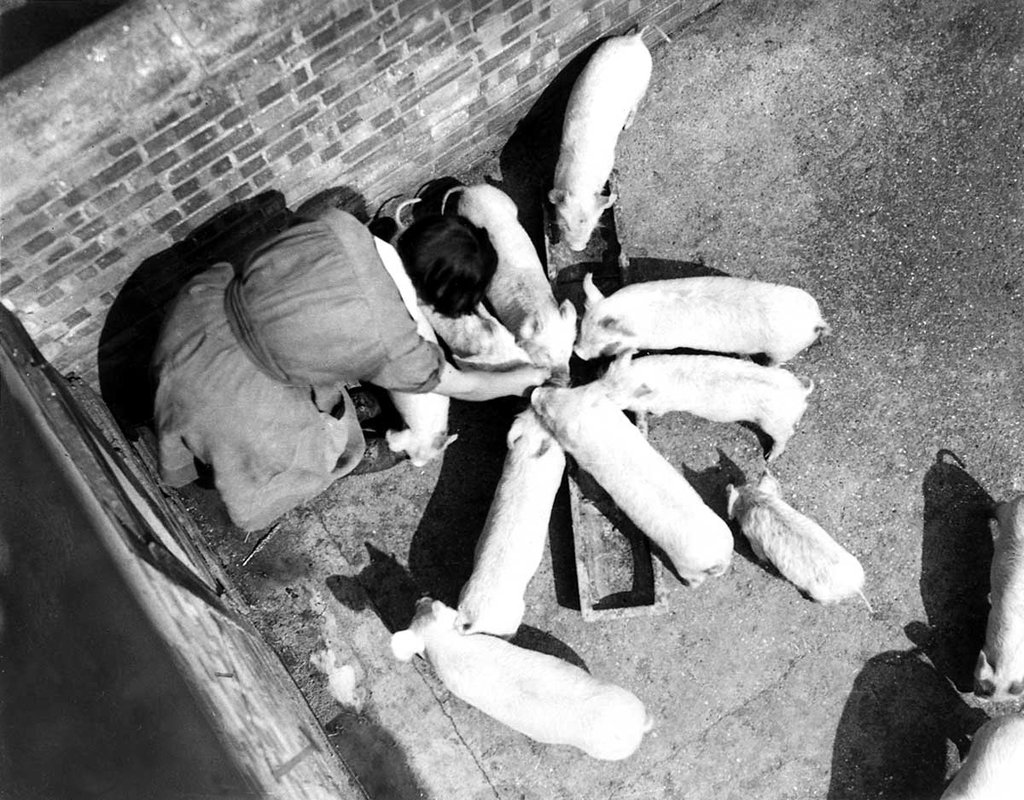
x: 252, y: 367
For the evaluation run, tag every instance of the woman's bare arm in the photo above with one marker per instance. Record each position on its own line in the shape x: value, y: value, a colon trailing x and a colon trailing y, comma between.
x: 479, y: 385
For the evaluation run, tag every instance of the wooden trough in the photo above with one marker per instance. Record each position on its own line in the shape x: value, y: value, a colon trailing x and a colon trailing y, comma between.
x: 617, y: 575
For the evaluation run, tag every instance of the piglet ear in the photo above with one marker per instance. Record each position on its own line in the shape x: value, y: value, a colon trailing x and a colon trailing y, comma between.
x: 731, y: 497
x: 515, y: 430
x: 591, y: 292
x: 528, y: 329
x: 984, y: 686
x: 462, y: 623
x: 567, y: 311
x: 616, y: 326
x: 556, y: 196
x: 604, y: 202
x: 982, y: 669
x: 617, y: 376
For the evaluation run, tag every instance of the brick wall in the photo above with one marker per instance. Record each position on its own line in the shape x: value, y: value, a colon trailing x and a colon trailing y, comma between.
x: 147, y: 145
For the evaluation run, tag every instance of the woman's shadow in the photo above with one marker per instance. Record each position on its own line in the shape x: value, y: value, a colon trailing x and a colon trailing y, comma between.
x: 902, y: 732
x: 905, y: 712
x: 956, y: 556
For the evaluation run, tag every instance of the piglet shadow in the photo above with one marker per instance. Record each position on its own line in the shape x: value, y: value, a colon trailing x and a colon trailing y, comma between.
x: 441, y: 550
x: 388, y: 588
x: 764, y: 441
x: 563, y: 549
x: 366, y: 746
x: 528, y: 159
x: 644, y: 268
x: 902, y: 731
x: 373, y: 755
x: 956, y: 555
x: 383, y: 585
x: 540, y: 641
x: 711, y: 483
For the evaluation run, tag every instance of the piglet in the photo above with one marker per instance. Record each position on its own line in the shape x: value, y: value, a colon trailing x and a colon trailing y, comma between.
x: 717, y: 313
x: 644, y: 485
x: 477, y: 340
x: 426, y: 417
x: 717, y: 388
x: 999, y: 673
x: 512, y: 542
x: 541, y: 696
x: 519, y: 293
x: 994, y: 767
x: 603, y: 101
x: 798, y: 547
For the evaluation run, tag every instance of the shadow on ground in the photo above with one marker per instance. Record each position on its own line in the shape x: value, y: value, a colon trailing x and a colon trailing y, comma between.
x: 372, y: 755
x: 956, y: 555
x: 388, y: 588
x: 905, y: 714
x: 901, y: 732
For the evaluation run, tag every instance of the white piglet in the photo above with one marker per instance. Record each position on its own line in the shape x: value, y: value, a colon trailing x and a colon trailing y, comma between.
x: 797, y: 545
x: 603, y: 102
x: 643, y: 484
x: 511, y: 545
x: 477, y: 340
x: 717, y: 313
x: 999, y: 673
x: 426, y: 417
x: 541, y: 696
x: 994, y: 767
x: 519, y: 293
x: 716, y: 388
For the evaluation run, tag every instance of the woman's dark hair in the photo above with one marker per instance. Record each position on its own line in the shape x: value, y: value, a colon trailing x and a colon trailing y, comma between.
x: 450, y: 262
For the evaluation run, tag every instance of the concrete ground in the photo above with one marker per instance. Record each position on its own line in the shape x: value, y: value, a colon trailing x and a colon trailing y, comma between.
x: 869, y: 152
